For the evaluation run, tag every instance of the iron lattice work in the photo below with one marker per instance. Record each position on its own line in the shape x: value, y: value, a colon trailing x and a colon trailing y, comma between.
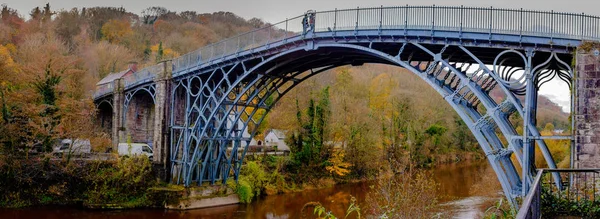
x: 206, y: 135
x: 462, y: 52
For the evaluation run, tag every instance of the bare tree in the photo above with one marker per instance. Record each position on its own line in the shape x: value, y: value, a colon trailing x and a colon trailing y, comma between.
x: 151, y: 14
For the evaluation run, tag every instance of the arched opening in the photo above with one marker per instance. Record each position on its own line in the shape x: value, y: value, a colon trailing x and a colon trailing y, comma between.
x: 139, y: 117
x: 104, y: 116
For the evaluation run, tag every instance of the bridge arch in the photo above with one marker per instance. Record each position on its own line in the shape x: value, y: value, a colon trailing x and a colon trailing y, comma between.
x: 139, y: 114
x: 104, y: 114
x: 456, y: 50
x: 235, y: 89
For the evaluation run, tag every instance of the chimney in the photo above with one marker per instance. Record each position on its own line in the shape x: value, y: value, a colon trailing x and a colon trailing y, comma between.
x: 133, y: 66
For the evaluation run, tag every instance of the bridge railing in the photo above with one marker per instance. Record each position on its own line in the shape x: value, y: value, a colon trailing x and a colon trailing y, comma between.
x: 580, y: 188
x: 103, y: 89
x: 427, y: 18
x: 463, y: 19
x: 143, y: 75
x: 246, y: 41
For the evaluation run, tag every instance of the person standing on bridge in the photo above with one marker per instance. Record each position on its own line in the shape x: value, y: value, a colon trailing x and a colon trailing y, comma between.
x: 311, y: 20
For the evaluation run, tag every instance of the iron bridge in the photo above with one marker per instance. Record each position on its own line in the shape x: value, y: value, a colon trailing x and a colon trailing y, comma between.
x: 461, y: 52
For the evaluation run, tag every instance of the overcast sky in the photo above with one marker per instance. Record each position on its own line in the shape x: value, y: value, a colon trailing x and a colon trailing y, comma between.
x: 277, y: 10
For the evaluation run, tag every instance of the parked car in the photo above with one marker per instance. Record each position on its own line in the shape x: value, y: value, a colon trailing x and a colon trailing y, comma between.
x: 127, y: 149
x: 74, y: 147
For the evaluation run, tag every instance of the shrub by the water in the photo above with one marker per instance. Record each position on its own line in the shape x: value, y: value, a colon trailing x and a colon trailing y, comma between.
x: 244, y: 191
x: 410, y: 195
x: 125, y: 183
x: 39, y: 181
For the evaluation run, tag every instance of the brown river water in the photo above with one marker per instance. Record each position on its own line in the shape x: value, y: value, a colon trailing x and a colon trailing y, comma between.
x: 466, y: 189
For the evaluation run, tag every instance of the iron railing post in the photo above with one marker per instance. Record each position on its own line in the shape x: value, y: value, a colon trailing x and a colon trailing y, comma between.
x: 582, y: 25
x: 552, y: 27
x: 521, y: 23
x: 253, y: 39
x: 356, y: 26
x: 432, y: 20
x: 286, y: 30
x: 269, y: 37
x: 334, y: 20
x: 460, y: 30
x: 380, y: 18
x: 405, y: 21
x: 491, y: 21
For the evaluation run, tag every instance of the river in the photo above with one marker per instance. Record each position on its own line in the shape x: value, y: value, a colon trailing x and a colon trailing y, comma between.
x: 465, y: 189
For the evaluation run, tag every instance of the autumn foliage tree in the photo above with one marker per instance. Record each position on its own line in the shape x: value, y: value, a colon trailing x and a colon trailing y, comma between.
x: 115, y: 30
x: 12, y: 123
x: 337, y: 165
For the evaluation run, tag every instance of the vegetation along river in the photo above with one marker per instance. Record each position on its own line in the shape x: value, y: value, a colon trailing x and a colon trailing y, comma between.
x: 465, y: 190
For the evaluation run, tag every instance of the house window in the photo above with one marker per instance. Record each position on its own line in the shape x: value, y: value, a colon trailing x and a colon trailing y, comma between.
x: 64, y: 147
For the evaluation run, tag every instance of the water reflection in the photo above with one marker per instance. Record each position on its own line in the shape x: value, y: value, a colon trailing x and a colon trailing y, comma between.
x: 459, y: 180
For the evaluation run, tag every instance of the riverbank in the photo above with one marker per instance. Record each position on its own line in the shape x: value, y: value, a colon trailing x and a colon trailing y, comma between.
x: 288, y: 205
x: 130, y: 183
x: 266, y: 175
x: 120, y: 183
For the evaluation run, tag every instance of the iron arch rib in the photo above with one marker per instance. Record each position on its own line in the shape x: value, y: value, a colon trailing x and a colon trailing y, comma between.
x: 251, y: 84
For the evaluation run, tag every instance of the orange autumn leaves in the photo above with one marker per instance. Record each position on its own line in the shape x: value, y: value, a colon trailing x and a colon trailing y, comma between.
x: 338, y: 166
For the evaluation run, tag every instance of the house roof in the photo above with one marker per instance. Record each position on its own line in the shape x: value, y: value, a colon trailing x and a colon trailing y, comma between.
x: 278, y: 133
x: 112, y: 76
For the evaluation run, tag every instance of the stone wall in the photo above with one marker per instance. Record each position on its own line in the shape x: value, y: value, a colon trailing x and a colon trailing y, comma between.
x: 161, y: 120
x: 587, y: 106
x: 140, y: 118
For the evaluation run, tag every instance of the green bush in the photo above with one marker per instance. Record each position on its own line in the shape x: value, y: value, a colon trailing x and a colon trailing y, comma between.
x: 255, y: 176
x: 556, y: 204
x: 244, y: 191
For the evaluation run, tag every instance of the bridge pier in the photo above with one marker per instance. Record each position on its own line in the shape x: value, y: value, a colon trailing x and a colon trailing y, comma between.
x: 161, y: 122
x: 587, y: 106
x: 118, y: 130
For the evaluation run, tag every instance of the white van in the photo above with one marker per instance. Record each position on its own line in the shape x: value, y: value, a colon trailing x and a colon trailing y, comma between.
x: 126, y: 149
x: 74, y: 147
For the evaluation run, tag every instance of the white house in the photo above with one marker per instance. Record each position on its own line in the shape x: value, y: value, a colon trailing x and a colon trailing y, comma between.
x: 238, y: 131
x: 275, y: 137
